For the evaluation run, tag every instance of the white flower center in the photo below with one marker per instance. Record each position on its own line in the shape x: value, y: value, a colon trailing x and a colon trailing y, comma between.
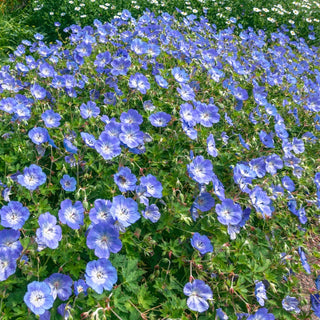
x: 37, y: 298
x: 99, y: 276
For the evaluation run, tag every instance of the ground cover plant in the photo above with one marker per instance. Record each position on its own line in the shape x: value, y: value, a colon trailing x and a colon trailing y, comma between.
x: 154, y: 168
x: 301, y: 18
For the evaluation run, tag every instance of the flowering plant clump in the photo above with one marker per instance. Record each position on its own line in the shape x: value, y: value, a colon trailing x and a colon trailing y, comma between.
x: 155, y: 168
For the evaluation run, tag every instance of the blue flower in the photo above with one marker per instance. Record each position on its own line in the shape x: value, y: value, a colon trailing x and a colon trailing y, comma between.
x: 70, y: 147
x: 138, y: 46
x: 32, y: 177
x: 180, y: 75
x: 152, y: 213
x: 72, y: 215
x: 304, y: 260
x: 131, y: 135
x: 14, y: 215
x: 221, y: 314
x: 211, y: 146
x: 80, y: 286
x: 101, y: 212
x: 38, y: 297
x: 46, y: 70
x: 258, y: 165
x: 290, y: 304
x: 243, y: 143
x: 65, y: 311
x: 204, y: 202
x: 240, y: 93
x: 266, y: 139
x: 288, y: 183
x: 7, y: 264
x: 108, y: 146
x: 273, y: 163
x: 163, y: 83
x: 124, y: 210
x: 60, y: 285
x: 9, y: 239
x: 297, y: 145
x: 188, y: 114
x: 8, y: 105
x: 198, y: 293
x: 101, y: 275
x: 38, y: 92
x: 201, y: 243
x: 68, y: 183
x: 102, y: 59
x: 260, y: 292
x: 88, y: 139
x: 262, y: 314
x: 120, y: 66
x: 160, y: 119
x: 49, y: 232
x: 89, y: 110
x: 148, y: 105
x: 51, y: 119
x: 140, y: 82
x: 125, y: 180
x: 154, y: 187
x: 315, y: 304
x: 208, y: 114
x: 229, y: 212
x: 216, y: 74
x: 38, y: 135
x: 200, y: 170
x: 261, y: 201
x: 104, y: 238
x: 130, y: 117
x: 186, y: 92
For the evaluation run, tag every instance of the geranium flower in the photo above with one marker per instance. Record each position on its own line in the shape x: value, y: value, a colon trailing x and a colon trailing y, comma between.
x: 152, y: 213
x: 7, y: 264
x: 198, y: 293
x: 200, y: 170
x: 60, y: 285
x: 201, y: 243
x: 9, y: 239
x: 14, y: 215
x: 104, y: 238
x: 140, y: 82
x: 131, y: 116
x: 49, y: 232
x: 89, y: 110
x: 100, y: 213
x: 108, y: 146
x: 261, y: 314
x: 160, y: 119
x: 38, y: 297
x: 101, y: 275
x: 38, y: 135
x: 125, y: 180
x: 51, y: 119
x: 229, y: 212
x: 72, y: 215
x: 68, y: 183
x: 154, y: 187
x: 124, y: 210
x: 131, y: 135
x: 32, y: 177
x: 80, y: 286
x: 291, y: 304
